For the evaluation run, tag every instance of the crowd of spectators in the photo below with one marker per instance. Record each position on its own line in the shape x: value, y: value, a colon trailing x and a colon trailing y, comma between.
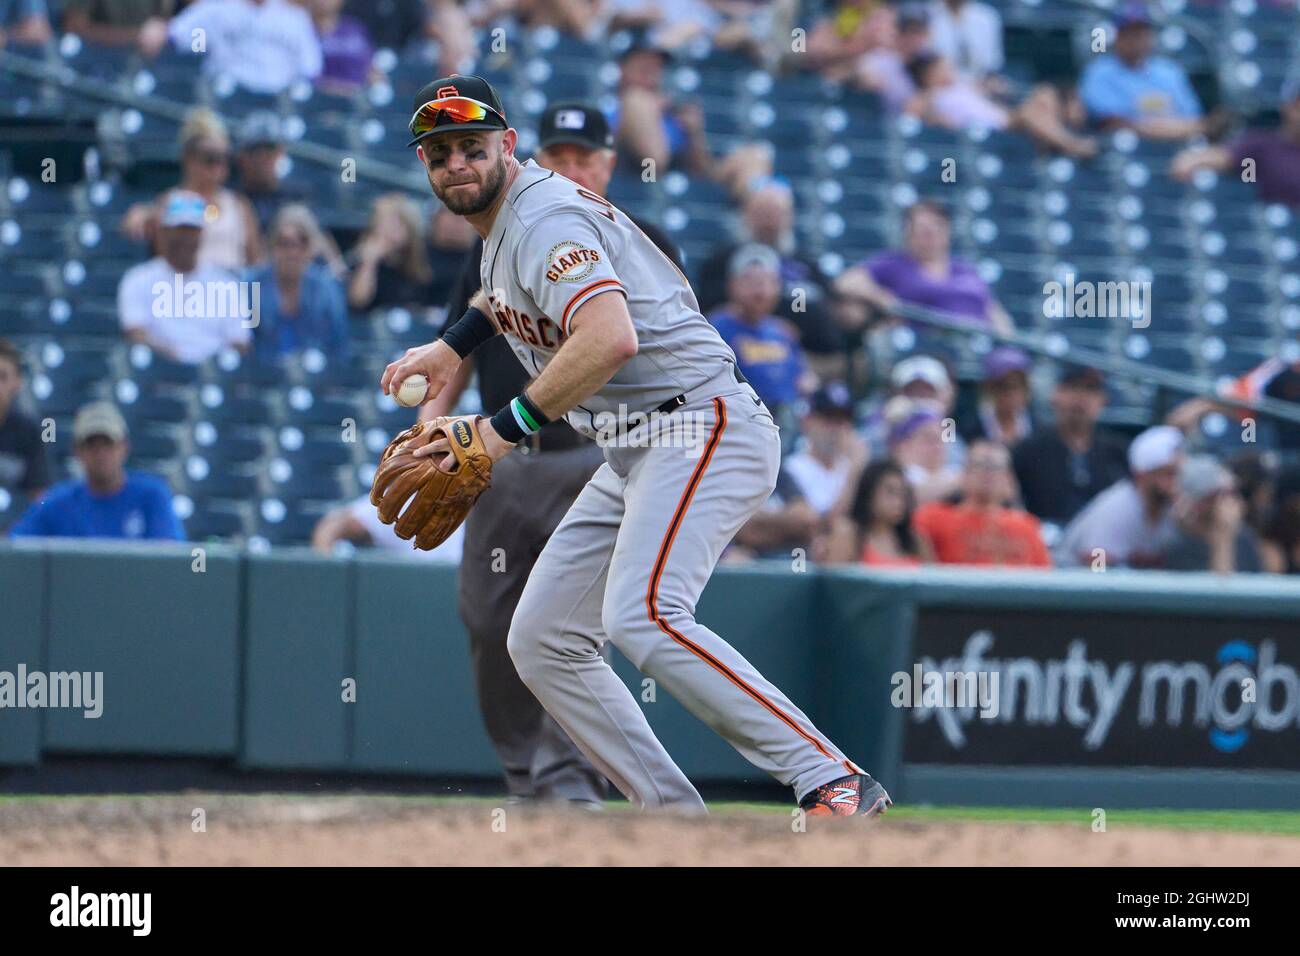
x: 921, y: 468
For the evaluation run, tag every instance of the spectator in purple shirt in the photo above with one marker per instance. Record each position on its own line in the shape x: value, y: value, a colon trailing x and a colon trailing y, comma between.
x: 924, y: 273
x: 345, y: 46
x: 1275, y: 152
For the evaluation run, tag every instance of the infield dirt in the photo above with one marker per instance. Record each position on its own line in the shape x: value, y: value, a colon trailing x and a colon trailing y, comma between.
x: 385, y: 831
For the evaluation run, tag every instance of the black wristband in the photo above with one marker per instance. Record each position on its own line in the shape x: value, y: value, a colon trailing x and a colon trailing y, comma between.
x: 470, y: 331
x: 519, y: 419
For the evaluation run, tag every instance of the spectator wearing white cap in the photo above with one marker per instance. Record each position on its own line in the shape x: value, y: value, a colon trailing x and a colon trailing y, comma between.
x: 185, y: 311
x: 1131, y: 523
x: 1212, y: 531
x: 921, y: 378
x: 109, y: 501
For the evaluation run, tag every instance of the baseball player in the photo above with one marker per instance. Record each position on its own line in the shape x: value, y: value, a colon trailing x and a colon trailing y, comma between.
x: 612, y: 333
x: 531, y: 491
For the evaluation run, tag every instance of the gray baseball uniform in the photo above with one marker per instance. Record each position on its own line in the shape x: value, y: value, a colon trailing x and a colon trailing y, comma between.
x: 694, y: 453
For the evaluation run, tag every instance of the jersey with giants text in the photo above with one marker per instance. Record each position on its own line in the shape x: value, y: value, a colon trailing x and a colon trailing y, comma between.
x: 554, y: 246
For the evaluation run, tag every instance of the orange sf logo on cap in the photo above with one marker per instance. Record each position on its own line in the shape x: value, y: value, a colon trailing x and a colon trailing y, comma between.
x: 445, y: 91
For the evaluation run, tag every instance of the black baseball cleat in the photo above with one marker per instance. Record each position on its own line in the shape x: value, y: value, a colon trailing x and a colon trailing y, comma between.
x: 856, y: 794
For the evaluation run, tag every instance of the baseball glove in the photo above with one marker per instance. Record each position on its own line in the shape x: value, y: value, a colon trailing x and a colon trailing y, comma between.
x: 438, y: 501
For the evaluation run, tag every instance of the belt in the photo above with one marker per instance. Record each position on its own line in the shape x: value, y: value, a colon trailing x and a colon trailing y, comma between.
x: 677, y: 401
x: 555, y: 436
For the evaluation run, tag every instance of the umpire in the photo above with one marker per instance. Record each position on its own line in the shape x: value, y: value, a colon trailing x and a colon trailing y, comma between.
x: 530, y: 493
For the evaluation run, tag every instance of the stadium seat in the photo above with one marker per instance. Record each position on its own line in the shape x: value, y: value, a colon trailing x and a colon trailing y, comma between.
x: 212, y: 521
x: 232, y: 445
x: 222, y: 483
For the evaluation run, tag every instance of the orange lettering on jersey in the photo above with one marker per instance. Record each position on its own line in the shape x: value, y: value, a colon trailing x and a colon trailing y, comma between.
x: 570, y: 261
x: 503, y: 318
x: 528, y: 335
x: 548, y: 341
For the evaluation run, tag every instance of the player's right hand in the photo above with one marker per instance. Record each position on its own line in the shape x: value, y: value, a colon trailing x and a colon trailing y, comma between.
x: 436, y: 361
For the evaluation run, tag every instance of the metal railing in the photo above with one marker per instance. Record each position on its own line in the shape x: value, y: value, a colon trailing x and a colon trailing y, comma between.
x: 68, y: 79
x: 1041, y: 344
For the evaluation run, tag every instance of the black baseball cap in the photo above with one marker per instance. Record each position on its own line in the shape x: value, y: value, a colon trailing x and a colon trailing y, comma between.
x: 1082, y: 376
x: 640, y: 42
x: 575, y: 123
x: 458, y: 85
x: 832, y: 400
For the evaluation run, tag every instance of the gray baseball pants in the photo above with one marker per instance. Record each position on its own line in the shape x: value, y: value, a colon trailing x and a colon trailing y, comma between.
x: 627, y: 564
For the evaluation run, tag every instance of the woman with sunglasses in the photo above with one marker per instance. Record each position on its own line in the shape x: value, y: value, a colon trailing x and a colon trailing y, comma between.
x: 302, y: 305
x: 230, y: 237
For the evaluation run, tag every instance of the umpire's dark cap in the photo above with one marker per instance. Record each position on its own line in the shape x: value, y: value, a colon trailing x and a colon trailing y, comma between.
x: 575, y: 123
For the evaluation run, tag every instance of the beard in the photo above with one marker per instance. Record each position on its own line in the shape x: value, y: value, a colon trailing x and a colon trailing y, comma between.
x: 463, y: 205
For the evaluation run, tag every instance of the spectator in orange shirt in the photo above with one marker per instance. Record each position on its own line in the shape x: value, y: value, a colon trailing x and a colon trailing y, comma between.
x: 980, y: 528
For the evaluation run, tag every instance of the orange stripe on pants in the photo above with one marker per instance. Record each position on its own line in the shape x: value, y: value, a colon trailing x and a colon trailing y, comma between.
x: 720, y: 410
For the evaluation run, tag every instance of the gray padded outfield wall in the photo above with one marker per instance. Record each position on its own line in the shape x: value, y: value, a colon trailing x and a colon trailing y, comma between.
x: 1112, y: 689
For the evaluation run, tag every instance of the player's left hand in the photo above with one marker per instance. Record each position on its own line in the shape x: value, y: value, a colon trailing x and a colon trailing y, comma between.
x: 497, y: 447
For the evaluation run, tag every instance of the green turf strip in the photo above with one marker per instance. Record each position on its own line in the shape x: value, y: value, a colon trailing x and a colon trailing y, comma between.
x: 1241, y: 821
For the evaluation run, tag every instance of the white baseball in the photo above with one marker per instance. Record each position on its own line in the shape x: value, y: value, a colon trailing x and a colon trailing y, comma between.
x: 411, y: 392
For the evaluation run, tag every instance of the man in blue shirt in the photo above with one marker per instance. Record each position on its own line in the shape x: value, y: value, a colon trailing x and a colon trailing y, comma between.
x: 767, y: 348
x: 1131, y: 88
x: 109, y: 502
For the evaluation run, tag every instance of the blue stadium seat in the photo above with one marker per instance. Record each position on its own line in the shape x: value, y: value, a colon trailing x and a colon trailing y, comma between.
x: 153, y: 445
x: 148, y: 368
x: 156, y: 408
x: 237, y: 410
x: 289, y: 522
x: 222, y: 483
x: 232, y: 445
x: 213, y: 520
